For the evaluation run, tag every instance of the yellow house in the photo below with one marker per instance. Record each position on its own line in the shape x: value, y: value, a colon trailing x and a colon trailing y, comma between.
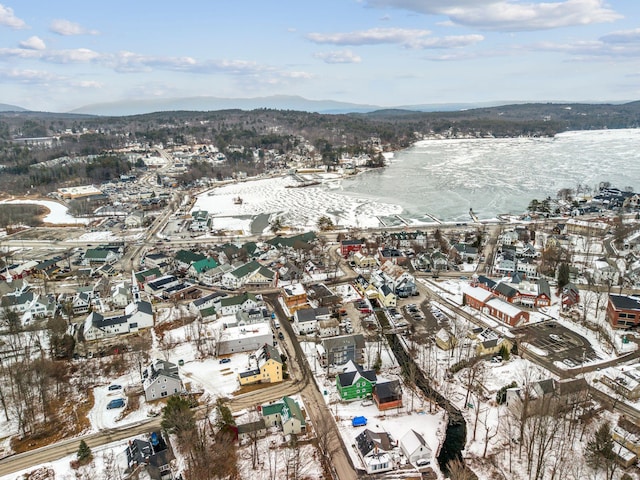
x: 364, y: 261
x: 268, y: 367
x: 445, y: 340
x: 493, y: 346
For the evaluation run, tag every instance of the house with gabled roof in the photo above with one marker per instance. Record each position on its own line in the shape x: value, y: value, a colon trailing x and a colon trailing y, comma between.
x: 342, y: 349
x: 199, y: 269
x: 239, y: 276
x: 185, y: 258
x: 506, y: 292
x: 251, y: 430
x: 415, y: 449
x: 157, y: 287
x: 268, y: 367
x: 355, y: 382
x: 306, y: 319
x: 160, y: 379
x: 245, y: 301
x: 137, y: 316
x: 101, y: 255
x: 263, y: 277
x: 375, y: 450
x: 211, y: 300
x: 351, y: 246
x: 148, y: 275
x: 285, y: 414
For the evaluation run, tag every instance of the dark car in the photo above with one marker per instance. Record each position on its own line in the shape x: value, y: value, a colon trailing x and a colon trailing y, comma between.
x: 115, y: 387
x: 224, y: 360
x: 280, y: 336
x: 115, y: 403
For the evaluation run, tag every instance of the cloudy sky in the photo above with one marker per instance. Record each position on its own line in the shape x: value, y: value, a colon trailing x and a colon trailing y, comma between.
x: 60, y: 55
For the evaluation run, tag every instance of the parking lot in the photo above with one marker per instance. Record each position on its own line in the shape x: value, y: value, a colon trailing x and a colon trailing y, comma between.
x: 559, y: 343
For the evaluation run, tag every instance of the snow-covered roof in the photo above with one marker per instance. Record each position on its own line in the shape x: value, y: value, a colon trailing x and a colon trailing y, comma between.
x: 504, y: 307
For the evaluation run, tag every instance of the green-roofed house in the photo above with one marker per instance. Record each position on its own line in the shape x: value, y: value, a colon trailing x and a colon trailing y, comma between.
x: 250, y: 273
x: 245, y: 302
x: 185, y: 258
x: 101, y: 255
x: 286, y: 414
x: 199, y: 270
x: 199, y: 221
x: 148, y: 275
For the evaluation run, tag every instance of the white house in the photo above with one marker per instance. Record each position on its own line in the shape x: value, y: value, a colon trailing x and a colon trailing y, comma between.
x: 415, y: 448
x: 161, y: 379
x: 137, y: 316
x: 306, y: 319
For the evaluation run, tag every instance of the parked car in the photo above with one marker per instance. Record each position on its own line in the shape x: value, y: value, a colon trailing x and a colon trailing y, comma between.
x: 224, y: 360
x: 115, y: 403
x: 280, y: 336
x: 115, y: 387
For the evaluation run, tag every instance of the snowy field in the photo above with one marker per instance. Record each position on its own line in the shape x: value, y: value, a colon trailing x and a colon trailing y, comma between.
x: 58, y: 213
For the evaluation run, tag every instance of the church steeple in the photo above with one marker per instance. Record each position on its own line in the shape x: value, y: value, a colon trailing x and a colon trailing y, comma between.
x: 135, y: 290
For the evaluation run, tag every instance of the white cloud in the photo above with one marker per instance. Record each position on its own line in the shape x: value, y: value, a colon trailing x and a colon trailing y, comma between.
x: 33, y: 43
x: 67, y: 28
x: 511, y: 15
x: 372, y: 36
x: 8, y: 19
x: 623, y: 37
x: 453, y: 41
x: 87, y: 84
x: 31, y: 77
x: 338, y: 56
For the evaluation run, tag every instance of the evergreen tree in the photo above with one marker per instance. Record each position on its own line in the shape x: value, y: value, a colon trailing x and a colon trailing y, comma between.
x: 563, y: 275
x: 177, y: 416
x: 599, y: 452
x: 84, y: 453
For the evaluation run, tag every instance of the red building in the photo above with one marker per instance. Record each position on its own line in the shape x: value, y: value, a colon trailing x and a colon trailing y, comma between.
x: 387, y: 395
x: 347, y: 247
x: 623, y: 311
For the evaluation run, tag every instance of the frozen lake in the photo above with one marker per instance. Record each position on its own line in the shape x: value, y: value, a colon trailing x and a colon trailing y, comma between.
x: 442, y: 178
x: 446, y: 178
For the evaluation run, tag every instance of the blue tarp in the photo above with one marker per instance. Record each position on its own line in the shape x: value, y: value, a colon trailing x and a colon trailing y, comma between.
x: 359, y: 421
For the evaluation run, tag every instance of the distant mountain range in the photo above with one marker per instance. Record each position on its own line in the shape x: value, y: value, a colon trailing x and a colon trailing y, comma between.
x: 276, y: 102
x: 5, y: 107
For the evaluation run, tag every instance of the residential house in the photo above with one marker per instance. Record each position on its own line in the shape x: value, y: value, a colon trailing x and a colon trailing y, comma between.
x: 548, y: 394
x: 285, y: 414
x: 249, y: 431
x: 623, y: 380
x: 102, y: 255
x: 366, y: 262
x: 120, y: 295
x: 387, y: 395
x: 393, y: 255
x: 570, y: 296
x: 466, y: 253
x: 243, y: 302
x: 200, y: 221
x: 137, y: 316
x: 241, y: 275
x: 135, y: 219
x: 263, y: 277
x: 342, y: 349
x: 407, y: 239
x: 445, y: 340
x: 154, y: 455
x: 375, y: 451
x: 268, y: 367
x: 355, y: 382
x: 185, y: 258
x: 306, y: 320
x: 352, y: 246
x: 328, y: 328
x: 160, y: 379
x: 415, y: 449
x: 148, y: 275
x: 210, y: 301
x: 159, y: 260
x: 493, y: 346
x: 199, y: 270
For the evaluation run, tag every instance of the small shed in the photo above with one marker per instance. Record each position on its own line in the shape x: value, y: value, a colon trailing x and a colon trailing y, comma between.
x: 358, y: 421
